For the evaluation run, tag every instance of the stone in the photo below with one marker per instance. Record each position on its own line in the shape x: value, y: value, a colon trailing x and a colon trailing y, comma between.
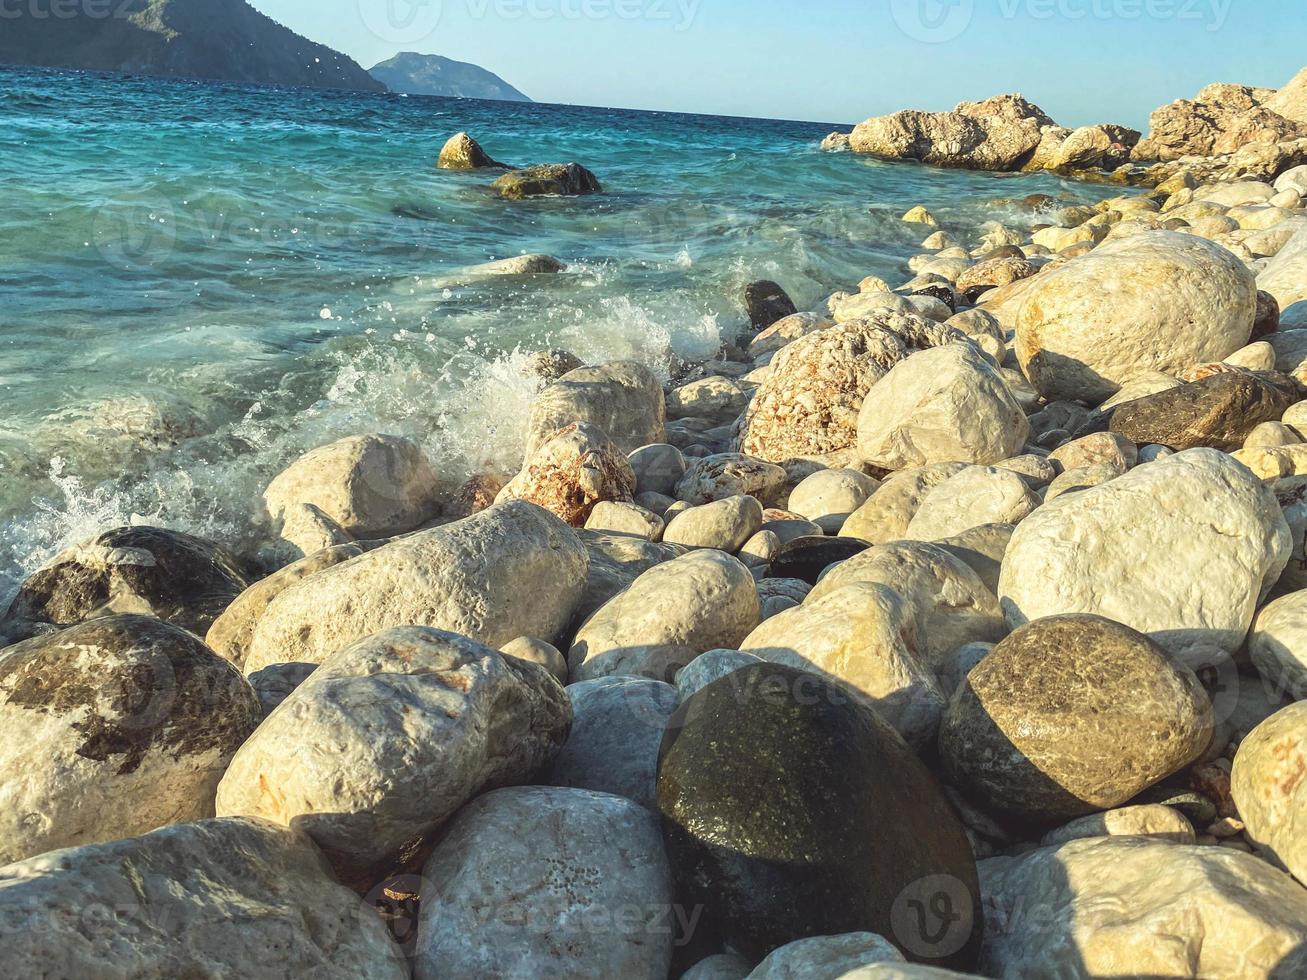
x: 623, y: 518
x: 725, y: 475
x: 658, y: 468
x: 1271, y: 435
x: 217, y: 898
x: 1182, y: 549
x: 711, y: 397
x: 1069, y: 715
x: 617, y: 728
x: 1116, y: 906
x: 977, y: 496
x: 808, y: 405
x: 621, y: 398
x: 703, y: 601
x: 547, y: 365
x: 615, y: 562
x: 275, y: 684
x: 1277, y: 645
x: 1221, y: 119
x: 462, y: 152
x: 1149, y: 820
x: 709, y: 667
x: 888, y: 512
x: 474, y: 496
x: 1159, y: 301
x: 792, y: 811
x: 573, y: 472
x: 788, y: 529
x: 992, y: 273
x: 1219, y: 412
x: 390, y: 737
x: 1098, y: 447
x: 547, y: 180
x: 867, y: 640
x: 806, y: 559
x: 949, y: 601
x: 946, y: 404
x: 981, y: 549
x: 535, y: 651
x: 827, y: 956
x: 149, y: 571
x: 113, y: 728
x: 761, y: 549
x: 1081, y: 478
x: 784, y: 332
x: 513, y: 570
x: 977, y: 135
x: 1282, y: 279
x: 1269, y: 786
x: 304, y: 530
x: 372, y: 486
x: 723, y: 524
x: 544, y: 881
x: 767, y: 303
x: 920, y: 216
x: 834, y: 143
x: 829, y: 497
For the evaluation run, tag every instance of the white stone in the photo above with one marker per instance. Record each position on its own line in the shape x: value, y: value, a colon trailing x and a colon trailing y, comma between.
x: 829, y: 497
x: 977, y: 496
x: 1269, y: 787
x: 842, y: 957
x: 724, y: 475
x: 622, y: 398
x: 710, y: 397
x: 888, y: 512
x: 1285, y: 276
x: 1277, y: 645
x: 1155, y: 821
x: 613, y: 517
x: 725, y: 525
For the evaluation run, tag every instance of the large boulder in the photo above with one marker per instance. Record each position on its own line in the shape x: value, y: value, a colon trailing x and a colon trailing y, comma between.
x: 1157, y: 301
x: 1182, y: 549
x: 1219, y: 411
x: 946, y: 404
x: 1277, y: 646
x: 390, y: 736
x: 149, y: 571
x: 513, y: 570
x: 1269, y: 786
x: 1130, y: 906
x: 621, y: 398
x: 218, y: 898
x: 111, y: 729
x: 977, y: 496
x: 1069, y: 715
x: 703, y: 601
x: 1221, y: 119
x: 791, y: 810
x: 617, y: 560
x: 867, y: 637
x: 888, y: 512
x: 997, y: 134
x: 371, y: 486
x: 572, y: 472
x: 462, y: 152
x: 547, y: 180
x: 1284, y: 278
x: 547, y: 882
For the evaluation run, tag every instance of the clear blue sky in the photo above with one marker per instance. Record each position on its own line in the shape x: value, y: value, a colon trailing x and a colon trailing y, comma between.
x: 833, y: 60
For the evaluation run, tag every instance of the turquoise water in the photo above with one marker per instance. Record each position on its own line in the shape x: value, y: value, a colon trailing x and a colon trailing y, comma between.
x: 200, y: 281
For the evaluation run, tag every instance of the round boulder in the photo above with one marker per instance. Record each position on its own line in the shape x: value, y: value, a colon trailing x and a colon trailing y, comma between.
x: 1269, y: 786
x: 623, y: 399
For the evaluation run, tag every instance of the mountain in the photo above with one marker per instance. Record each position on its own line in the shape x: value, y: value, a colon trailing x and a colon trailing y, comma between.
x: 219, y: 39
x: 429, y: 74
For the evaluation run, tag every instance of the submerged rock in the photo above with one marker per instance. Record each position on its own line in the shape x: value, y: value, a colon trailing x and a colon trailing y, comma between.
x: 547, y: 180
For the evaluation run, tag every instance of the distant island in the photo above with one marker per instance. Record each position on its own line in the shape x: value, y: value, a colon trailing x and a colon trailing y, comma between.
x: 216, y: 39
x: 429, y: 74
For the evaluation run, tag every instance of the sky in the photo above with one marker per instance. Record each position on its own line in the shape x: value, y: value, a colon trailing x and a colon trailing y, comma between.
x: 839, y: 61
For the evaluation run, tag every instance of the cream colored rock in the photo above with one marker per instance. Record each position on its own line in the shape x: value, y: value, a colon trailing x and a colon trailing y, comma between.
x: 981, y: 549
x: 1285, y: 276
x: 946, y: 404
x: 1111, y: 448
x: 218, y: 898
x: 623, y: 399
x: 1255, y: 357
x: 1181, y: 549
x: 703, y: 601
x: 829, y: 497
x: 1154, y: 821
x: 1081, y: 478
x: 1128, y: 906
x: 513, y: 570
x: 535, y: 651
x: 724, y: 525
x: 711, y: 397
x: 573, y: 472
x: 622, y: 518
x: 1271, y: 435
x: 846, y: 307
x: 761, y: 549
x: 867, y: 637
x: 371, y: 486
x: 984, y: 329
x: 1141, y: 386
x: 1277, y: 646
x: 725, y: 475
x: 785, y: 331
x: 846, y: 956
x: 1269, y: 788
x: 920, y: 216
x: 1161, y: 301
x: 888, y: 512
x: 977, y: 496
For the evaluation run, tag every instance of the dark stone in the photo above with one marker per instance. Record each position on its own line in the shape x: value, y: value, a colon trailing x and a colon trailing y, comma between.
x: 1217, y: 412
x: 1039, y: 202
x: 940, y: 292
x: 1268, y: 316
x: 806, y: 558
x: 1198, y: 809
x: 561, y: 179
x: 1003, y: 252
x: 791, y: 810
x: 182, y: 580
x: 767, y: 303
x: 1070, y: 715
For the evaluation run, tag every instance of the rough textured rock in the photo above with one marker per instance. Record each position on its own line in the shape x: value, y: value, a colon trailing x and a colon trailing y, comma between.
x: 547, y: 180
x: 888, y: 512
x: 1149, y: 820
x: 548, y: 882
x: 462, y: 152
x: 1181, y: 549
x: 150, y: 571
x: 784, y: 332
x: 725, y: 525
x: 617, y: 728
x: 767, y: 303
x: 977, y: 496
x: 1069, y: 715
x: 703, y: 601
x: 1221, y: 119
x: 1160, y: 301
x: 1220, y: 411
x: 997, y: 134
x: 711, y: 666
x: 617, y: 560
x: 391, y: 736
x: 946, y: 404
x: 808, y: 405
x: 218, y: 898
x: 791, y: 811
x: 867, y: 637
x: 730, y: 475
x: 513, y: 570
x: 827, y: 956
x: 572, y: 472
x: 372, y: 486
x: 829, y: 497
x: 1269, y: 786
x: 992, y: 273
x: 1128, y: 906
x: 711, y: 398
x: 621, y: 398
x: 1277, y: 645
x: 113, y: 728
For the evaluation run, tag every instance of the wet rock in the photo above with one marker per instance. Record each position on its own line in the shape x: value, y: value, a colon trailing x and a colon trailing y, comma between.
x: 767, y: 303
x: 547, y: 180
x: 1069, y: 715
x: 726, y: 475
x: 621, y: 398
x: 725, y: 525
x: 474, y: 496
x: 113, y: 728
x: 573, y: 472
x: 462, y: 152
x: 806, y: 558
x: 713, y: 398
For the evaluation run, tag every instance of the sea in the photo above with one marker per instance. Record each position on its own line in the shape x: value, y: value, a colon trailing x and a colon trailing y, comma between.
x: 200, y: 281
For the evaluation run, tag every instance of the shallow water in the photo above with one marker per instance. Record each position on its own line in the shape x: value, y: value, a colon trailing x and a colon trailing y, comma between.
x: 200, y: 281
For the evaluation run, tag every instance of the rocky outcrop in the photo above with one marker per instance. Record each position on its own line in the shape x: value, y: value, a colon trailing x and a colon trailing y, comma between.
x: 997, y: 134
x: 1221, y: 119
x: 547, y: 180
x: 462, y: 152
